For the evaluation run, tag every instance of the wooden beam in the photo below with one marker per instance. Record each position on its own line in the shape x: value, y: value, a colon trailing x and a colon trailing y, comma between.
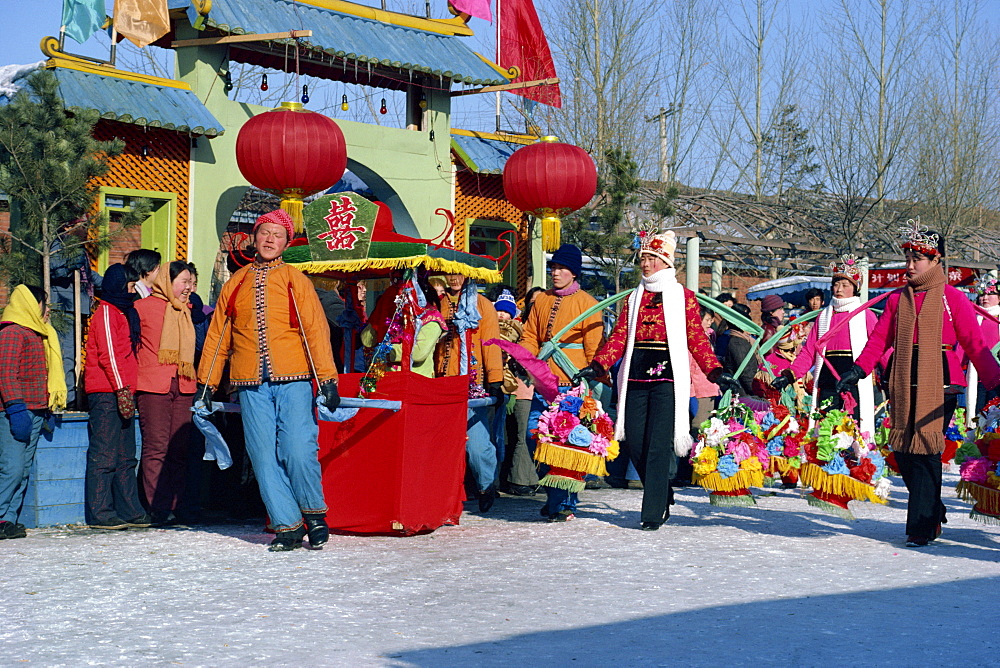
x: 232, y: 39
x: 510, y: 86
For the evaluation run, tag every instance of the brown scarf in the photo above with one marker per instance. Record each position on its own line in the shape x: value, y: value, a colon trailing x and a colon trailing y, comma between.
x: 177, y: 336
x: 924, y: 433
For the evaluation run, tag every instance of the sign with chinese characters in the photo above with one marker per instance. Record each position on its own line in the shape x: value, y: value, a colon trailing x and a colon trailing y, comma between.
x: 339, y: 226
x: 895, y: 278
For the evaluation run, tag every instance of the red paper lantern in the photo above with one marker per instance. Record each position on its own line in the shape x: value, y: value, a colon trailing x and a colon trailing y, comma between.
x: 293, y: 153
x: 549, y: 180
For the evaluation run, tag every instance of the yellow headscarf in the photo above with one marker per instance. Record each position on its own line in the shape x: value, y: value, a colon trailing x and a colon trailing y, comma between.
x: 177, y: 337
x: 24, y: 310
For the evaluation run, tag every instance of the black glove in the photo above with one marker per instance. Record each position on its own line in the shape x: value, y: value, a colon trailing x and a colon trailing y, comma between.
x: 783, y: 380
x: 725, y: 381
x: 849, y: 379
x: 591, y: 372
x: 495, y: 390
x: 203, y: 393
x: 330, y: 395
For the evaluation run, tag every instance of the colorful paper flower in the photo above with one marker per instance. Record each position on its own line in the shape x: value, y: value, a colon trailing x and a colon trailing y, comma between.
x: 603, y: 426
x: 571, y: 405
x: 836, y: 466
x: 864, y: 471
x: 580, y: 436
x: 706, y: 461
x: 563, y: 424
x: 589, y: 408
x: 598, y: 445
x: 975, y: 469
x: 727, y: 466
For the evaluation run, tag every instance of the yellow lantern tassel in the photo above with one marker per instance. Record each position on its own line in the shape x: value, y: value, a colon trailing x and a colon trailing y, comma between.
x: 293, y: 207
x: 551, y: 232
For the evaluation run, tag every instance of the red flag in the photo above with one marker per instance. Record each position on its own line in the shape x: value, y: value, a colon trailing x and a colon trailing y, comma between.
x: 523, y: 45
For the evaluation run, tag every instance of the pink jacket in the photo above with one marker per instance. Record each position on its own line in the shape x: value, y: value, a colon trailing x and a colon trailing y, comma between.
x: 959, y: 330
x: 153, y: 376
x: 841, y: 340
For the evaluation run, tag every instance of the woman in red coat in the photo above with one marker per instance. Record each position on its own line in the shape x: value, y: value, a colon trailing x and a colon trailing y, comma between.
x: 166, y: 387
x: 659, y: 326
x: 112, y: 498
x: 925, y: 322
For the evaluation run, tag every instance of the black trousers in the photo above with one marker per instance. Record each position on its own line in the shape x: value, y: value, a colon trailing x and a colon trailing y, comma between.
x: 111, y: 489
x: 922, y: 477
x: 649, y: 437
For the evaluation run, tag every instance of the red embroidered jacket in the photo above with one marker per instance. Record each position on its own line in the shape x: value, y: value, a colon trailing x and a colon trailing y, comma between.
x: 650, y: 326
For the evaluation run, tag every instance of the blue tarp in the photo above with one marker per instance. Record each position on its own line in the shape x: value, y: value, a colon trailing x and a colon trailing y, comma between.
x: 481, y: 155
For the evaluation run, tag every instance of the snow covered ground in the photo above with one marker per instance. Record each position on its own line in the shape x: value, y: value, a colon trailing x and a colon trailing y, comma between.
x: 777, y: 584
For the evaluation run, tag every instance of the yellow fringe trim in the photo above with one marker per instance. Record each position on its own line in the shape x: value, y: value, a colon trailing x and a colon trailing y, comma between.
x: 839, y: 484
x: 742, y: 480
x: 986, y: 499
x: 431, y: 263
x: 779, y: 465
x: 572, y: 458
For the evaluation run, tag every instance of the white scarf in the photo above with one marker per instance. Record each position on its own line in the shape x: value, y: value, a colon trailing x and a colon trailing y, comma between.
x: 665, y: 282
x: 858, y: 328
x: 972, y: 391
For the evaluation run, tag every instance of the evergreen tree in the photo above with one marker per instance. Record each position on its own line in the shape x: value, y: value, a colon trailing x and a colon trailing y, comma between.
x: 49, y: 163
x: 790, y: 155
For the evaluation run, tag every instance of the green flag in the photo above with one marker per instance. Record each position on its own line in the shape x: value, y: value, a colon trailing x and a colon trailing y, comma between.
x: 82, y: 18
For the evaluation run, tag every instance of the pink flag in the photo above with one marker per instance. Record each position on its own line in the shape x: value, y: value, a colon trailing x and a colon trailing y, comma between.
x: 478, y: 8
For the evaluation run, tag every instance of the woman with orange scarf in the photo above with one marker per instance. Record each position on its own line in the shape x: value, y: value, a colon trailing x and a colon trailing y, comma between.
x: 165, y: 388
x: 925, y: 321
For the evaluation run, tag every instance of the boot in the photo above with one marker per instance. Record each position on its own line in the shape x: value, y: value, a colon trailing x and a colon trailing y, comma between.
x: 288, y: 540
x: 319, y: 532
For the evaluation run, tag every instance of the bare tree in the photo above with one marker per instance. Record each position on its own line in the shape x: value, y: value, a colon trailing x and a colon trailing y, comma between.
x: 867, y: 96
x: 685, y: 82
x: 603, y: 51
x: 758, y: 68
x: 955, y: 174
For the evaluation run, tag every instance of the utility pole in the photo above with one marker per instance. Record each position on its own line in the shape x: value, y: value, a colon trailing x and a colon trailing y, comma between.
x: 665, y: 168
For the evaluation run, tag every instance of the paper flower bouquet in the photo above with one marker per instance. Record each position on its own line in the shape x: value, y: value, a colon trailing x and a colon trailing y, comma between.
x: 980, y: 476
x: 730, y: 455
x: 575, y: 437
x: 843, y: 464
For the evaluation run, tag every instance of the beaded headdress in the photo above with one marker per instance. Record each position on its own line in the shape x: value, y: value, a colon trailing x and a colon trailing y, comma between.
x: 917, y: 237
x: 850, y: 267
x: 987, y: 285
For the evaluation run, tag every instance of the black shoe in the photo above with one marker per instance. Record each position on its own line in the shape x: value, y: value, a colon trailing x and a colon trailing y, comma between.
x: 288, y: 540
x: 319, y: 532
x: 562, y: 516
x: 162, y: 517
x: 112, y: 524
x: 12, y: 530
x: 597, y: 483
x: 144, y: 521
x: 914, y: 541
x: 486, y: 498
x: 650, y: 526
x: 519, y: 490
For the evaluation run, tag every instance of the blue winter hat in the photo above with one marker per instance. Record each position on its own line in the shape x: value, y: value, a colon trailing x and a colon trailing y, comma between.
x: 570, y: 257
x: 505, y: 302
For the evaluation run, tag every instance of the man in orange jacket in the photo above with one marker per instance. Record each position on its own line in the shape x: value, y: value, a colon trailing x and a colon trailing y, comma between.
x: 471, y: 320
x: 270, y: 323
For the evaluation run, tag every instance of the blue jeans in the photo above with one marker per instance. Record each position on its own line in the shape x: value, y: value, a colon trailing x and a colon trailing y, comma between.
x: 15, y: 465
x: 557, y: 499
x: 281, y: 432
x: 479, y: 447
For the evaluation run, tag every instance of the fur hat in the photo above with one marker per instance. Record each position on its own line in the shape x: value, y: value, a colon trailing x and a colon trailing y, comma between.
x: 278, y: 217
x: 570, y: 257
x: 662, y: 245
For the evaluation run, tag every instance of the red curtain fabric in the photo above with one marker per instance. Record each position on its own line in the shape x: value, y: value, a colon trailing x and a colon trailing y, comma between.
x: 397, y: 473
x: 523, y: 45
